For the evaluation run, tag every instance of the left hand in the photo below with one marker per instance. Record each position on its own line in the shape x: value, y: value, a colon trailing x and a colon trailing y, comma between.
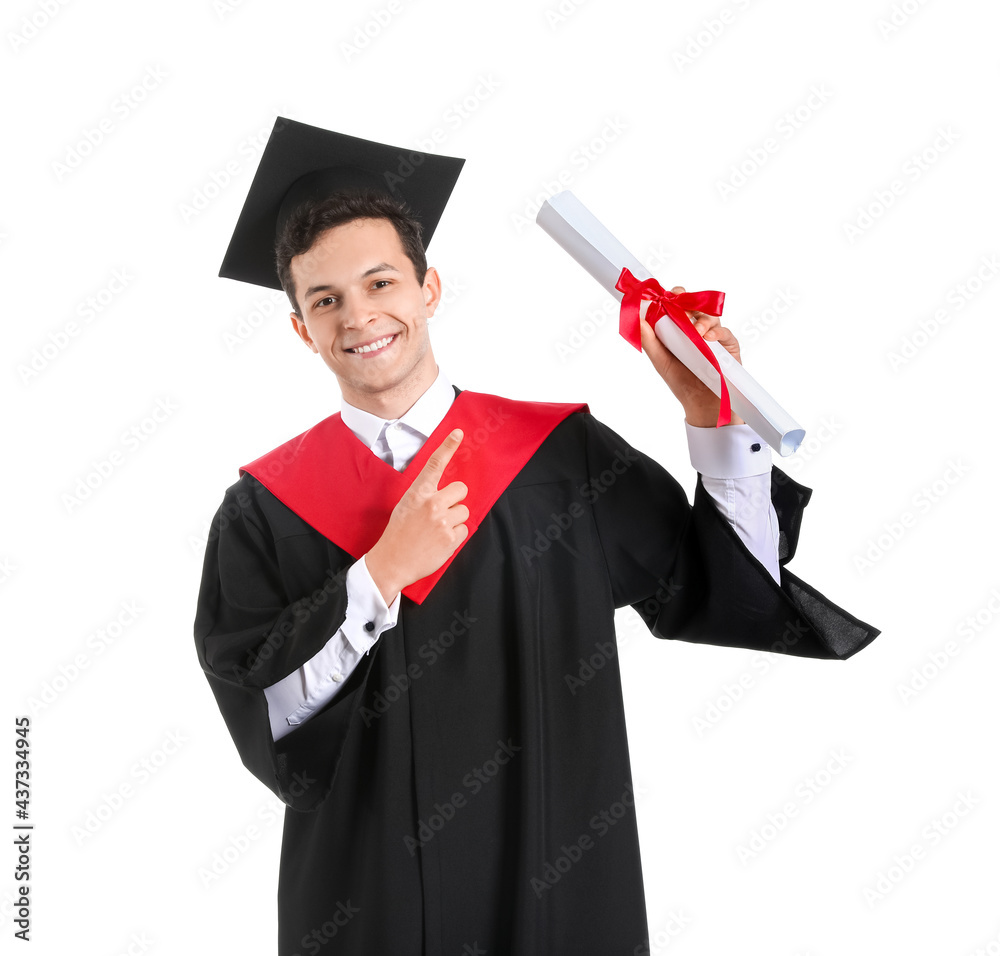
x: 701, y: 405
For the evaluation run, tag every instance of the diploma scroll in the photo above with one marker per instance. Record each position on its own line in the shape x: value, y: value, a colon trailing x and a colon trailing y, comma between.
x: 583, y: 236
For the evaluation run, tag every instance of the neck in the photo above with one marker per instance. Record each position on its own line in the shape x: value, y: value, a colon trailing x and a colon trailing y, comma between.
x: 394, y: 402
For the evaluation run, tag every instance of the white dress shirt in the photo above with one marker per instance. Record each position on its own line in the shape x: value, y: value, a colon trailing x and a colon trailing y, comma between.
x: 734, y: 462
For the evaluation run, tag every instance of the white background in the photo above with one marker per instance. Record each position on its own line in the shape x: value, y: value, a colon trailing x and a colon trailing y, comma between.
x: 643, y: 109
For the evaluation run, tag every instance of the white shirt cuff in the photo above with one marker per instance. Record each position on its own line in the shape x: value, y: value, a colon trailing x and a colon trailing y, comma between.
x: 735, y: 467
x: 733, y: 451
x: 367, y: 613
x: 295, y: 698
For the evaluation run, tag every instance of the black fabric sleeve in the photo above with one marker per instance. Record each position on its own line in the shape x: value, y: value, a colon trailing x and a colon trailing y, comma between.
x: 687, y: 573
x: 273, y: 592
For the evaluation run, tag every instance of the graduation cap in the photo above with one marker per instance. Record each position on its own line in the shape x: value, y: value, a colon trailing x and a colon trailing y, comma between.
x: 303, y: 162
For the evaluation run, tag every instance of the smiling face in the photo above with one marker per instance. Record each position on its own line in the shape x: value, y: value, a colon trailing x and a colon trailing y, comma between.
x: 365, y: 314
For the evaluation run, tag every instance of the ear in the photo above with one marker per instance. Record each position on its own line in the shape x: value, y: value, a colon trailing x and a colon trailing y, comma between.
x: 302, y: 332
x: 432, y: 290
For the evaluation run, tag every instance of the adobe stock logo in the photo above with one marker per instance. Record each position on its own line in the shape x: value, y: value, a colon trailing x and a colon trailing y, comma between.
x: 29, y: 27
x: 58, y: 340
x: 92, y: 137
x: 956, y: 298
x: 777, y: 821
x: 370, y: 30
x: 905, y: 862
x: 914, y: 168
x: 897, y: 528
x: 712, y: 28
x: 785, y: 128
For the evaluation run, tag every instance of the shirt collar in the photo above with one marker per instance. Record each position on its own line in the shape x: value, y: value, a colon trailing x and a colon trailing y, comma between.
x: 423, y: 416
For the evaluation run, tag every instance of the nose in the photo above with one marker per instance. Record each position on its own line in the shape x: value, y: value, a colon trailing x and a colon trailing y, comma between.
x: 357, y: 311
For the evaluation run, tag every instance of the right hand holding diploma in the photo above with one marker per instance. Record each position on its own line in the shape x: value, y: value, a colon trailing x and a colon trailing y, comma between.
x: 425, y: 528
x: 701, y: 404
x: 589, y: 242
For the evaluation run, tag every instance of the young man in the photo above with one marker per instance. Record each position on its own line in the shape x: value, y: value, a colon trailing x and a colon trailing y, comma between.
x: 395, y: 604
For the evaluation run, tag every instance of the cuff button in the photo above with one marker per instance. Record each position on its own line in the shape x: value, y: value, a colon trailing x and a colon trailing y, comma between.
x: 369, y: 626
x: 755, y: 446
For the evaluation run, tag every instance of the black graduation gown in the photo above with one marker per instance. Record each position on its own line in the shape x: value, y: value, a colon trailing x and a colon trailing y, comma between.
x: 465, y: 792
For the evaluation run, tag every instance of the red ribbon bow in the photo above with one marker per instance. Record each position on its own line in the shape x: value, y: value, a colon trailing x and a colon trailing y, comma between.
x: 676, y: 306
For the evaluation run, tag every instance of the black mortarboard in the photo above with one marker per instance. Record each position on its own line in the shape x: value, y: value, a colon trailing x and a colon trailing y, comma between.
x: 302, y: 162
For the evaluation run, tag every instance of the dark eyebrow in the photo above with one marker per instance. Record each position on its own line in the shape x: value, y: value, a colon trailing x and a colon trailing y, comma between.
x: 381, y: 267
x: 316, y: 288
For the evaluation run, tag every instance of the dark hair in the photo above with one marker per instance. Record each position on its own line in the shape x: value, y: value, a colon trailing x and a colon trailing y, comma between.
x: 315, y: 216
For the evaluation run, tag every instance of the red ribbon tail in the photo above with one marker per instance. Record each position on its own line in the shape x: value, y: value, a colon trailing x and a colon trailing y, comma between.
x: 628, y: 318
x: 679, y: 316
x: 677, y: 307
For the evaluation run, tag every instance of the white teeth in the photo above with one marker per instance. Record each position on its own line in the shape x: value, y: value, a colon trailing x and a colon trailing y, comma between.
x: 375, y: 346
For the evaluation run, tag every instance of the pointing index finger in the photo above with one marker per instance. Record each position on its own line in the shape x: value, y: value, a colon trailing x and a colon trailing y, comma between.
x: 440, y: 457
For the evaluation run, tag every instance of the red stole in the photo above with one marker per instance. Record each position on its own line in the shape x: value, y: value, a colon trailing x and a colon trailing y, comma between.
x: 339, y: 487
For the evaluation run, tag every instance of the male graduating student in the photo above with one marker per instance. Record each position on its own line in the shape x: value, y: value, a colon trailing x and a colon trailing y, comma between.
x: 395, y: 603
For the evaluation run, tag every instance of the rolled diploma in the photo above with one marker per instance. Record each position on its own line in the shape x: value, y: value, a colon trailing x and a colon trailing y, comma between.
x: 583, y: 236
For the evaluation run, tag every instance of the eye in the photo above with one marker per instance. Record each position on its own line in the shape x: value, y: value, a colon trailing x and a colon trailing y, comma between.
x: 381, y: 283
x: 327, y: 300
